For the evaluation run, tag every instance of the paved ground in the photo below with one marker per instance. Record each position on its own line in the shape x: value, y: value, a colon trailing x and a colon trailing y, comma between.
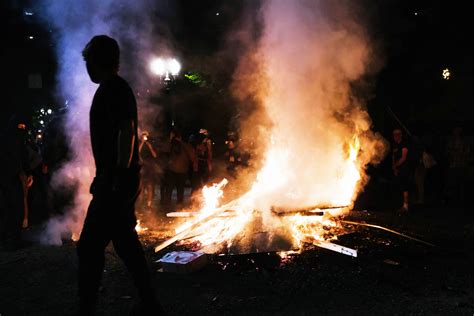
x: 392, y: 275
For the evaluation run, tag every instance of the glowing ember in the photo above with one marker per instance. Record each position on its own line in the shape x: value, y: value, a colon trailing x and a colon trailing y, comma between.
x: 139, y: 228
x: 286, y: 254
x: 310, y: 228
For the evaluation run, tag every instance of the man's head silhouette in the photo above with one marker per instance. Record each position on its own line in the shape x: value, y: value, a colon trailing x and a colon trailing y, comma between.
x: 102, y: 55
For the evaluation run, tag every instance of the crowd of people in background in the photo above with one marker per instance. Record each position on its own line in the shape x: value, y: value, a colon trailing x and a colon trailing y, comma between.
x: 425, y: 173
x: 28, y: 162
x: 173, y: 163
x: 421, y: 173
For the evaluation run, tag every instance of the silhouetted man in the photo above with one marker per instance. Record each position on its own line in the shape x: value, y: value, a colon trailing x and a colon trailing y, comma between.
x: 15, y: 171
x: 111, y: 213
x: 400, y: 165
x: 181, y: 158
x: 150, y: 171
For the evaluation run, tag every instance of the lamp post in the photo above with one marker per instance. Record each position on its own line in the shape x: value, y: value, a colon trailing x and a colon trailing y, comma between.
x: 167, y: 69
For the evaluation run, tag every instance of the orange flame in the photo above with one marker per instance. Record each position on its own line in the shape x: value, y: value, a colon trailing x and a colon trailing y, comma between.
x: 139, y: 228
x: 222, y: 230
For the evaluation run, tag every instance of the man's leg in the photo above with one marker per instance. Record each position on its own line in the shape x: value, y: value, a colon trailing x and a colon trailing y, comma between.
x: 180, y: 181
x: 169, y: 187
x: 14, y: 208
x: 405, y: 200
x: 151, y: 192
x: 162, y: 190
x: 206, y: 173
x: 406, y: 184
x: 147, y: 194
x: 90, y: 250
x: 195, y: 181
x: 128, y: 247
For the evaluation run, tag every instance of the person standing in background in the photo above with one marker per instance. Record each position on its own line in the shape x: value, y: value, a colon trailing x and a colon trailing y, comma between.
x: 400, y: 166
x: 181, y: 158
x: 14, y: 181
x: 150, y: 172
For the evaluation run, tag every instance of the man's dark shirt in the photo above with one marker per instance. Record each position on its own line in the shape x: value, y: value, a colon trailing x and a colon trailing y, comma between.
x: 397, y: 153
x: 113, y: 102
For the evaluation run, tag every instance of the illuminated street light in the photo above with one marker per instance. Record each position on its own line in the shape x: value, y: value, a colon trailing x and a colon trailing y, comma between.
x: 158, y: 66
x: 446, y: 74
x: 165, y: 67
x: 173, y: 66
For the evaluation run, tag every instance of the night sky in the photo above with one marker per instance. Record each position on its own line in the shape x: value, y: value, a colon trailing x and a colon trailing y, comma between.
x: 417, y: 40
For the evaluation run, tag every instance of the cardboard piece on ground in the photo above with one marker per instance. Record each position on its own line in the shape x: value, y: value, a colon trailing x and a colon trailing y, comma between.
x: 183, y: 261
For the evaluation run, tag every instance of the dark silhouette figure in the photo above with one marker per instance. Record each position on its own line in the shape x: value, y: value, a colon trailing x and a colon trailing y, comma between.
x: 15, y: 172
x: 203, y: 150
x: 116, y: 186
x: 400, y: 166
x: 150, y: 169
x: 181, y: 158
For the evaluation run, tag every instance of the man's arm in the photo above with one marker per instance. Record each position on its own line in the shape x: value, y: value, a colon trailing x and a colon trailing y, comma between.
x: 125, y: 143
x: 141, y: 146
x: 152, y: 150
x: 192, y: 156
x: 209, y: 155
x: 403, y: 158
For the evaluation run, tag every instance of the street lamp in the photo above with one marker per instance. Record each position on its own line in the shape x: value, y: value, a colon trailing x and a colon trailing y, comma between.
x: 446, y: 74
x: 165, y: 67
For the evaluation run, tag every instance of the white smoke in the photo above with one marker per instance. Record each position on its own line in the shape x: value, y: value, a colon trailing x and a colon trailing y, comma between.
x: 75, y: 23
x: 301, y: 72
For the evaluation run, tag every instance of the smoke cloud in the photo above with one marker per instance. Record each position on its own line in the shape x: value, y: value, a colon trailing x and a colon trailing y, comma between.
x: 299, y: 82
x: 301, y: 75
x: 75, y: 23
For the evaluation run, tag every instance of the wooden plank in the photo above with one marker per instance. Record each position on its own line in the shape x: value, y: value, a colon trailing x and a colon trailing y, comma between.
x: 227, y: 213
x: 337, y: 248
x: 192, y: 227
x: 305, y: 211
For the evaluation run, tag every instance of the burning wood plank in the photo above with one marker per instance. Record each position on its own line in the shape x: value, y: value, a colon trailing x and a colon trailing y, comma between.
x: 388, y: 230
x: 227, y: 213
x: 337, y: 248
x: 190, y: 228
x: 301, y: 212
x: 305, y: 211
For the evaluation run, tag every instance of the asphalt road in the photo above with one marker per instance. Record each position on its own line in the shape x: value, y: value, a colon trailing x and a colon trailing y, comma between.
x: 392, y: 275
